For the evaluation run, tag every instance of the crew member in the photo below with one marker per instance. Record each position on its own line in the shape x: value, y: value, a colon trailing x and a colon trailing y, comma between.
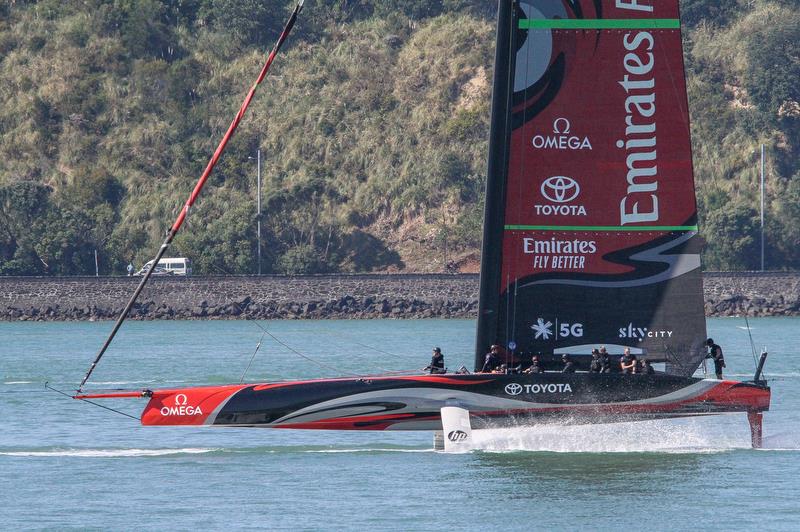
x: 605, y: 361
x: 491, y: 361
x: 628, y: 362
x: 645, y: 368
x: 437, y: 362
x: 595, y: 365
x: 536, y: 366
x: 569, y: 365
x: 715, y: 353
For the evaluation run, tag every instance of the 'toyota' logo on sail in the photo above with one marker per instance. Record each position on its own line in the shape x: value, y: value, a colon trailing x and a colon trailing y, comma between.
x: 181, y: 408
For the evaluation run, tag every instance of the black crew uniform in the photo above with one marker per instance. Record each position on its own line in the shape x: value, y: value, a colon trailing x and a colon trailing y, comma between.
x: 595, y: 366
x: 605, y: 363
x: 490, y: 363
x: 437, y: 363
x: 715, y: 353
x: 535, y: 368
x: 627, y: 359
x: 569, y: 366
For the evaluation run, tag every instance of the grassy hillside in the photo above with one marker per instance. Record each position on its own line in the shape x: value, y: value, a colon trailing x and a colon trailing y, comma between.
x: 372, y: 126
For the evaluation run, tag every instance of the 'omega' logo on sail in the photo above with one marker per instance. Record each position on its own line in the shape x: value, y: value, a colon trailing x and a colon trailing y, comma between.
x: 561, y: 139
x: 181, y: 408
x: 560, y: 189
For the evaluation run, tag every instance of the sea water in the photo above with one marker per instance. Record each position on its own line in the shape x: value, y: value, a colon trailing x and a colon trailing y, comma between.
x: 68, y: 465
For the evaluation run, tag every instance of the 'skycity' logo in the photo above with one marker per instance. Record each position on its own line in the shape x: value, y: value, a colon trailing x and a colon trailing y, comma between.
x: 560, y: 190
x: 561, y: 138
x: 640, y: 333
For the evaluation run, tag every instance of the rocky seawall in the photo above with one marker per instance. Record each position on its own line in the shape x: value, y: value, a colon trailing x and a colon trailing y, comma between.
x: 329, y: 296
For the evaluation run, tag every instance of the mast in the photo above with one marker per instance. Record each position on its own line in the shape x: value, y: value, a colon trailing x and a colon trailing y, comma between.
x: 496, y: 173
x: 197, y: 189
x: 762, y: 207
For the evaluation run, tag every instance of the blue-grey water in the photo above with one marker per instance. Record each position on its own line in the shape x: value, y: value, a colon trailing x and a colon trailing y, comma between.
x: 67, y: 465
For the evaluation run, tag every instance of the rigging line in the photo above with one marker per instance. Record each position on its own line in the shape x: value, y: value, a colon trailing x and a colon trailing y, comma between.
x: 371, y: 347
x: 258, y: 346
x: 514, y: 319
x: 301, y: 355
x: 264, y: 331
x: 399, y: 357
x: 318, y: 363
x: 48, y: 387
x: 508, y: 318
x: 752, y: 344
x: 350, y: 339
x: 197, y: 188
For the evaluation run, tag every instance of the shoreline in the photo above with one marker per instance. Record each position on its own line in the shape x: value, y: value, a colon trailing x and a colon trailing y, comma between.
x: 339, y: 296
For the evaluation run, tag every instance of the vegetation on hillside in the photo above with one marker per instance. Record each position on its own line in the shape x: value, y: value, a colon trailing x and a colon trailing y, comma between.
x: 372, y: 128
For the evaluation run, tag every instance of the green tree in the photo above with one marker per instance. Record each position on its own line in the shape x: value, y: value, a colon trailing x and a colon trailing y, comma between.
x: 731, y: 236
x: 250, y: 22
x: 22, y: 204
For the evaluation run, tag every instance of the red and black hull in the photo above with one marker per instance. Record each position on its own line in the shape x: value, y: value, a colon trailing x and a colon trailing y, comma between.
x: 414, y: 402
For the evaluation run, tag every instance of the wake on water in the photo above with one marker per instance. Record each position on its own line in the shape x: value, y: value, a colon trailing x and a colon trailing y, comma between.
x: 686, y: 436
x: 661, y: 436
x: 106, y: 453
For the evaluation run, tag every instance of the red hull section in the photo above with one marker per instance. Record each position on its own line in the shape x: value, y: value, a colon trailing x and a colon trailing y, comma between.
x: 414, y: 403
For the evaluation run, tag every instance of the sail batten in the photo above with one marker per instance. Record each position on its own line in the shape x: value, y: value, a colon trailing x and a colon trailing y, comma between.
x: 599, y: 233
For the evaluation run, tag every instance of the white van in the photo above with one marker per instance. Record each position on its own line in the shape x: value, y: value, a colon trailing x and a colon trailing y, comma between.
x: 169, y: 266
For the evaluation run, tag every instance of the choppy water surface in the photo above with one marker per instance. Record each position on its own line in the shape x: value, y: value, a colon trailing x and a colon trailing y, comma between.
x: 69, y: 465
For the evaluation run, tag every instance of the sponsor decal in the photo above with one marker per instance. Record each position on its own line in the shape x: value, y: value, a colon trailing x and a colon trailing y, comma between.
x: 513, y: 388
x: 457, y: 435
x: 555, y: 254
x: 560, y: 190
x: 561, y: 387
x: 181, y: 408
x: 635, y: 5
x: 544, y: 330
x: 561, y: 138
x: 640, y: 203
x: 640, y: 333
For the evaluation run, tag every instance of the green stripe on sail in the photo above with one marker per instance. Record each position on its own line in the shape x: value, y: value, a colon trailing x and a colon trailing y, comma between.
x: 600, y: 24
x: 616, y: 228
